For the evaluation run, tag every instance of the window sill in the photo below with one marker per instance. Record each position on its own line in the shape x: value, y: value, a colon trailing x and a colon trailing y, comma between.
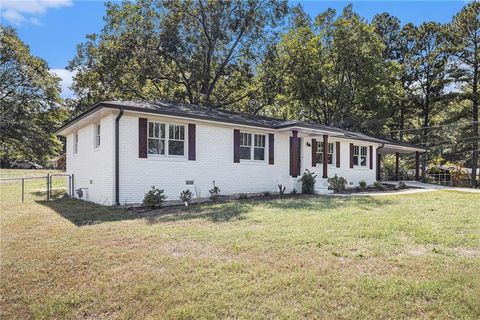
x: 253, y: 162
x: 361, y: 168
x: 153, y: 157
x: 96, y: 149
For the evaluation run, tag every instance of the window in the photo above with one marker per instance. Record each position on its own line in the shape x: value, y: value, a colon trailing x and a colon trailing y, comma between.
x: 245, y: 146
x: 156, y: 138
x: 97, y: 135
x: 249, y: 151
x: 176, y: 142
x: 159, y: 143
x: 75, y: 143
x: 259, y: 147
x: 320, y: 152
x: 360, y: 156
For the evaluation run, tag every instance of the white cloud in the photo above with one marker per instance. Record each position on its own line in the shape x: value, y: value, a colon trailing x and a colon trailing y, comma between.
x: 66, y: 82
x: 22, y: 11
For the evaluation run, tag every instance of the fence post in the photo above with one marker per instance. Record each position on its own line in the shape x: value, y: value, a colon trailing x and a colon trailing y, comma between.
x: 23, y: 190
x: 48, y: 186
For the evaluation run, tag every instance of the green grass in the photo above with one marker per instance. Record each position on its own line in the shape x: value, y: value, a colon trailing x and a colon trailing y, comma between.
x: 408, y: 256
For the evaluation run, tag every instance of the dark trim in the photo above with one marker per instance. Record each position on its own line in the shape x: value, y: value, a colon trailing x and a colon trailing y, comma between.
x: 192, y: 142
x: 351, y: 155
x: 325, y: 156
x: 271, y: 148
x: 117, y: 157
x: 236, y: 146
x: 370, y: 149
x: 379, y: 163
x: 314, y: 152
x: 294, y: 154
x: 142, y: 137
x: 337, y: 156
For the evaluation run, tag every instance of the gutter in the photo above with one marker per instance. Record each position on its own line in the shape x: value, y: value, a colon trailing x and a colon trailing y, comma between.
x: 117, y: 157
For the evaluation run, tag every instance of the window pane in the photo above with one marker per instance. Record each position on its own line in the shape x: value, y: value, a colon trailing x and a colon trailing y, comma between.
x: 330, y: 158
x: 182, y: 132
x: 150, y: 129
x: 175, y: 148
x: 153, y: 146
x: 171, y: 131
x: 364, y: 151
x: 355, y: 160
x: 259, y: 154
x: 330, y: 148
x: 259, y: 140
x: 245, y: 153
x: 363, y: 161
x: 355, y: 150
x: 245, y: 139
x: 319, y: 157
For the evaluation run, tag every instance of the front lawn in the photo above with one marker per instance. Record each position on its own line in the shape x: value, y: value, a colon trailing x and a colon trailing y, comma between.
x: 414, y: 256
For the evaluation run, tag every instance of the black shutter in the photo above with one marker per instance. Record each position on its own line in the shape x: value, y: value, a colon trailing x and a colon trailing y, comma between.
x: 371, y: 157
x: 142, y: 137
x: 271, y: 148
x: 351, y: 155
x: 236, y: 146
x: 314, y: 152
x: 191, y: 141
x: 337, y: 150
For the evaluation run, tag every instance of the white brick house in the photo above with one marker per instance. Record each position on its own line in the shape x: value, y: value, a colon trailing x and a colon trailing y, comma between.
x: 118, y: 150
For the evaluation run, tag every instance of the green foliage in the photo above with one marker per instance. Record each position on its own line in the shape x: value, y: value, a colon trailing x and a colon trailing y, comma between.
x: 243, y: 196
x: 308, y: 182
x: 336, y: 183
x: 404, y: 168
x: 192, y: 51
x: 294, y: 191
x: 154, y: 198
x: 266, y: 194
x: 378, y: 185
x: 30, y: 107
x: 186, y: 196
x: 362, y: 184
x: 214, y: 192
x: 281, y: 190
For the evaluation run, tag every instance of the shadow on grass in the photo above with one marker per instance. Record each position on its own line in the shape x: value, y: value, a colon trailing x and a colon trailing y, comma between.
x: 82, y: 213
x: 315, y: 203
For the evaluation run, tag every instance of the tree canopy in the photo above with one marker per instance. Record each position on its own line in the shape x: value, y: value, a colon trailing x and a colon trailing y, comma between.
x: 29, y: 103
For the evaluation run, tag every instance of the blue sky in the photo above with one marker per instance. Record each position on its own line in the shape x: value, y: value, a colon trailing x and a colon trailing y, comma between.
x: 53, y: 28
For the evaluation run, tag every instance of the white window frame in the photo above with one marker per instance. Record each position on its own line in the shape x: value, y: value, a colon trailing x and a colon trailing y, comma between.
x: 97, y: 136
x: 75, y: 143
x: 255, y: 143
x: 358, y: 154
x: 167, y: 139
x: 331, y: 152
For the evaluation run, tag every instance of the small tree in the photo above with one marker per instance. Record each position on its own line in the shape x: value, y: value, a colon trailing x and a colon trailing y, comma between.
x: 186, y: 197
x: 154, y: 198
x: 308, y: 182
x: 362, y: 184
x: 337, y: 184
x: 214, y: 192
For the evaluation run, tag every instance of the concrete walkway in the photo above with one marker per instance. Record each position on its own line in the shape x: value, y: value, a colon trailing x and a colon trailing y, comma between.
x: 420, y: 188
x: 421, y: 185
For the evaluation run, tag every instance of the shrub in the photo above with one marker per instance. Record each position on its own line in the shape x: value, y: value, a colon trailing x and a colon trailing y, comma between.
x: 266, y: 194
x: 308, y: 182
x: 281, y: 190
x: 294, y: 191
x: 214, y: 192
x: 401, y: 185
x: 362, y: 184
x: 186, y: 197
x: 378, y: 185
x: 154, y: 198
x: 337, y: 184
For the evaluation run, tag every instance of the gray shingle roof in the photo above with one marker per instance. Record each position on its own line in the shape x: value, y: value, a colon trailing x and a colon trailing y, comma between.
x: 197, y: 112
